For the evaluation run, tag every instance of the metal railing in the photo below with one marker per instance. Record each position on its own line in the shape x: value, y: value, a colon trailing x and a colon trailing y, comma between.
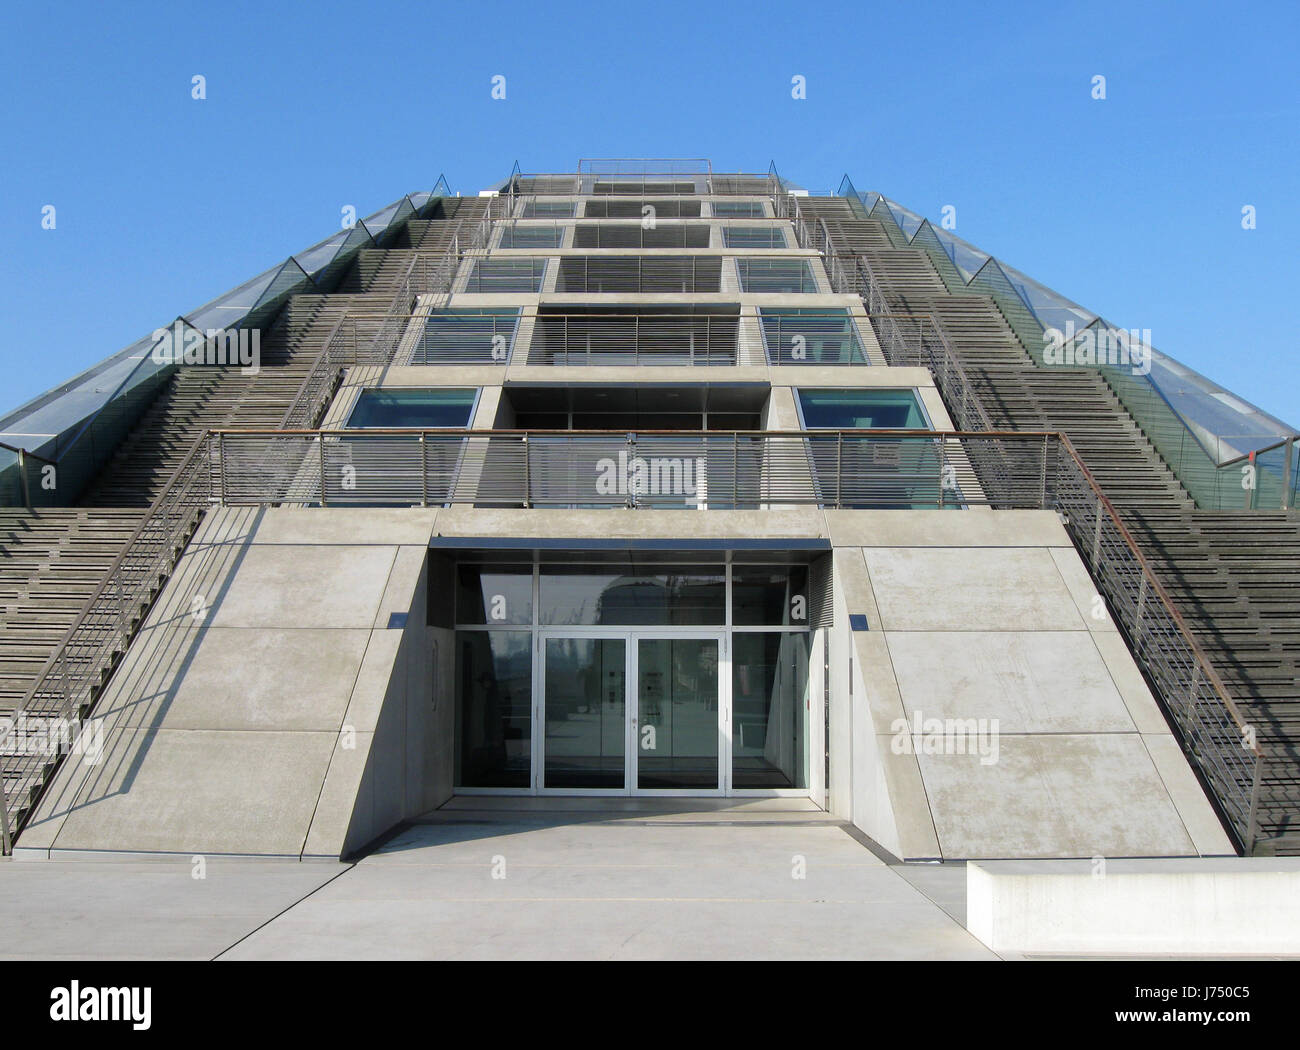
x: 840, y: 469
x: 1215, y: 734
x: 357, y: 340
x: 855, y: 469
x: 70, y: 680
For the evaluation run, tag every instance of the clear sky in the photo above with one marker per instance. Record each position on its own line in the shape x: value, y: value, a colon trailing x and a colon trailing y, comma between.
x: 1130, y: 205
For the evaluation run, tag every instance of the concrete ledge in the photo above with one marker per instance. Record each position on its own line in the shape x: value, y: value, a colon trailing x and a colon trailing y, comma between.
x: 1198, y: 906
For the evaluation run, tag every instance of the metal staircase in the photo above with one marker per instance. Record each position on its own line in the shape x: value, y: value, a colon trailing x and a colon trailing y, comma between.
x: 1234, y: 576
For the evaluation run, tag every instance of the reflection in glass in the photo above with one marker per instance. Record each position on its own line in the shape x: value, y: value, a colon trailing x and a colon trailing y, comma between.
x: 677, y: 694
x: 494, y: 594
x: 769, y: 597
x: 591, y: 595
x: 769, y: 746
x: 494, y: 699
x: 586, y: 713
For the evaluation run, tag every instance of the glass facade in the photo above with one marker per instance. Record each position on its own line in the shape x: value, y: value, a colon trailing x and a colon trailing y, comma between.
x: 632, y: 673
x: 786, y: 276
x: 396, y: 407
x: 801, y: 336
x: 855, y: 409
x: 466, y: 337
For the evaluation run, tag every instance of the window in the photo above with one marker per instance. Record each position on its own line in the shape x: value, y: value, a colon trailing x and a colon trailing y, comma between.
x: 811, y: 337
x: 612, y: 208
x: 739, y: 209
x: 538, y: 209
x: 507, y: 275
x: 775, y: 275
x: 531, y: 237
x: 753, y: 237
x: 639, y: 274
x: 885, y: 472
x: 462, y: 336
x: 394, y: 407
x: 853, y: 409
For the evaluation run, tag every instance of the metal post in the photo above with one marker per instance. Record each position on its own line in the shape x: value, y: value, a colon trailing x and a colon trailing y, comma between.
x: 528, y: 474
x: 320, y: 438
x: 1252, y: 819
x: 27, y: 494
x: 424, y: 470
x: 839, y: 469
x: 221, y: 467
x: 1096, y: 537
x: 6, y: 839
x: 1288, y: 494
x: 939, y: 442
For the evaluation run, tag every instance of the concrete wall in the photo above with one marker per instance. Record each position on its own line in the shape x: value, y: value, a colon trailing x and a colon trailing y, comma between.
x: 989, y: 623
x: 278, y: 700
x: 1219, y: 906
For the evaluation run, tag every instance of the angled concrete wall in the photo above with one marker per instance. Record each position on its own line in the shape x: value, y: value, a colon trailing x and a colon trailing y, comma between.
x: 995, y: 709
x: 278, y: 700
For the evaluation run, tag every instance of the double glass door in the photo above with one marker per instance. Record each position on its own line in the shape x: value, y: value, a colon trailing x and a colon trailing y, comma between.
x: 634, y: 711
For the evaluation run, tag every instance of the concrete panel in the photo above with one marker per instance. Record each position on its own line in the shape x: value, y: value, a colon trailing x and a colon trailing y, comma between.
x: 631, y: 524
x: 307, y: 586
x: 198, y: 791
x: 1244, y: 906
x: 1095, y: 613
x: 1142, y: 706
x: 1054, y: 796
x: 238, y: 678
x: 952, y: 589
x: 928, y: 528
x: 1031, y: 682
x: 346, y: 526
x: 1198, y: 816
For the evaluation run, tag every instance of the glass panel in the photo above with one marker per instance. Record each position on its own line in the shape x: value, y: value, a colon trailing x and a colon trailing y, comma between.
x: 494, y: 594
x: 460, y: 336
x: 494, y: 701
x: 594, y: 595
x: 739, y: 209
x: 585, y: 734
x: 412, y: 408
x: 814, y: 337
x: 677, y: 700
x: 769, y: 719
x: 866, y: 409
x: 531, y: 237
x: 753, y: 237
x: 537, y: 209
x: 775, y: 275
x: 507, y: 275
x: 775, y: 597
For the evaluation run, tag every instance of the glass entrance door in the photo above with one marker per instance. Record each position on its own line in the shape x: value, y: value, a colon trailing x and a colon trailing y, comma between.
x: 631, y: 712
x: 584, y: 713
x: 679, y: 737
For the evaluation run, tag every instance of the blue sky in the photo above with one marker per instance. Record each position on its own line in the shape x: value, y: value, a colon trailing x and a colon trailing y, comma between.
x: 1131, y: 205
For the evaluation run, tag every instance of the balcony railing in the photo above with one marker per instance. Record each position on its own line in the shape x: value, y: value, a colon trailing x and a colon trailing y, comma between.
x: 699, y: 469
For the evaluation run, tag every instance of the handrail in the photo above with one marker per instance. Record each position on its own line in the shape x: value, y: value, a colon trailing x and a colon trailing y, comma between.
x: 1154, y: 583
x: 134, y: 592
x: 115, y: 565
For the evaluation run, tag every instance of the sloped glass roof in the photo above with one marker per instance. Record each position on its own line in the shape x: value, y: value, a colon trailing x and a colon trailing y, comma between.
x: 1225, y: 425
